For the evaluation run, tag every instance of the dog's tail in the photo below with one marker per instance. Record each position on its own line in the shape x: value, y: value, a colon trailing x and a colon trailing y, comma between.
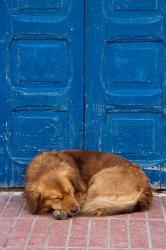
x: 109, y: 205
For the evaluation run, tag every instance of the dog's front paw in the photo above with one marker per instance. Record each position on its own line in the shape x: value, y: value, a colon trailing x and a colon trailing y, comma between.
x: 60, y: 214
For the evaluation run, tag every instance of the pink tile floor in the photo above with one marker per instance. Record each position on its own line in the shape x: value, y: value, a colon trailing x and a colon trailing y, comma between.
x: 138, y: 231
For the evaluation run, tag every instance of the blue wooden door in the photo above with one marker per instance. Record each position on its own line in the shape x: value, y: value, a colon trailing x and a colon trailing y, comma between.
x: 41, y: 81
x: 125, y: 81
x: 82, y: 74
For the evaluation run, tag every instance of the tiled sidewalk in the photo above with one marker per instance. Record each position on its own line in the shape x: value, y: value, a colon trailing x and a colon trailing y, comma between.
x: 139, y: 231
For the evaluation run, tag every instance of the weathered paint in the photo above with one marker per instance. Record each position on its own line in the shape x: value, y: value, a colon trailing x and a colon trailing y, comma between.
x: 41, y: 79
x: 82, y: 74
x: 125, y: 81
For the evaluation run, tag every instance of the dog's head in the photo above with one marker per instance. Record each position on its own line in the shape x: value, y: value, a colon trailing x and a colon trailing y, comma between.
x: 55, y: 191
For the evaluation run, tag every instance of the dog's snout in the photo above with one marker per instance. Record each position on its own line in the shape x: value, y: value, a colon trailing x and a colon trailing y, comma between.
x: 74, y: 210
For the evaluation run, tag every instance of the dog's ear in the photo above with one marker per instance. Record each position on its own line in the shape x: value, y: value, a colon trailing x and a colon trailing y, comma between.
x: 33, y: 198
x: 73, y: 176
x: 78, y: 183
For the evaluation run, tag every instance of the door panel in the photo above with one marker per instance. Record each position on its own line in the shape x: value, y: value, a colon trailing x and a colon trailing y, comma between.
x: 41, y: 82
x: 125, y: 81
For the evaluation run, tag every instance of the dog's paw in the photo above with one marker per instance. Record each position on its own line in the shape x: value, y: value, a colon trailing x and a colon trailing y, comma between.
x: 59, y: 215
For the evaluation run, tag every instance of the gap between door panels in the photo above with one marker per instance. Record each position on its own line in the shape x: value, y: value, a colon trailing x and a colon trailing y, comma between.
x: 84, y: 70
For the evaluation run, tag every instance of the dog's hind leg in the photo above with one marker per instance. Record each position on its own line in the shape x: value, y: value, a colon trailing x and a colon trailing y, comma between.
x: 117, y: 190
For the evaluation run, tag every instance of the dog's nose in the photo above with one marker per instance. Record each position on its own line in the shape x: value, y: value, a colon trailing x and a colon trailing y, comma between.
x: 74, y: 209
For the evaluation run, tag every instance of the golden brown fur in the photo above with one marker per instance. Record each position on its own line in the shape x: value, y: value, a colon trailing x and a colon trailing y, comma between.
x: 89, y: 182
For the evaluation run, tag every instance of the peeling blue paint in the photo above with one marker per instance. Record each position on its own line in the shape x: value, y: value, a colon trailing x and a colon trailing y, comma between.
x: 82, y: 74
x: 125, y: 87
x: 41, y: 80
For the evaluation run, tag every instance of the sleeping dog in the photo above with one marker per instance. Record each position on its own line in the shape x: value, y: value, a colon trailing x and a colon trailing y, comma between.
x: 74, y: 182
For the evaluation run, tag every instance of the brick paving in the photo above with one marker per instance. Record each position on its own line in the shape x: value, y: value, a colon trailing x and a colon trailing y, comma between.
x: 20, y: 230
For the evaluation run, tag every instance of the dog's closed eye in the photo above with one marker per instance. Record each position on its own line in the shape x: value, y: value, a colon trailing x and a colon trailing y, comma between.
x: 56, y: 197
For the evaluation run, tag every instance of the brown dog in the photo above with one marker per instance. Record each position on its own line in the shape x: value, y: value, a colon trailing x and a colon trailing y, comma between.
x: 85, y: 182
